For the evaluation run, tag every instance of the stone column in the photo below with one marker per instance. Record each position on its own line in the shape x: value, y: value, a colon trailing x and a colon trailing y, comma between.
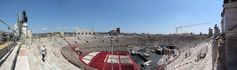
x: 230, y: 25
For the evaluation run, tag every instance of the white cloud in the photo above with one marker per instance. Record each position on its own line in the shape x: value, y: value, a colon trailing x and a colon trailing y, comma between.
x: 65, y: 28
x: 45, y: 28
x: 75, y: 28
x: 59, y: 28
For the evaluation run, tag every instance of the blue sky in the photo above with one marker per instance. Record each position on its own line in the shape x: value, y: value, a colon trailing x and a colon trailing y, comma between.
x: 148, y: 16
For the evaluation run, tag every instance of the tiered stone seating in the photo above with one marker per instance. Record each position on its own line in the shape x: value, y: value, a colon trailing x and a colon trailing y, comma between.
x: 97, y: 45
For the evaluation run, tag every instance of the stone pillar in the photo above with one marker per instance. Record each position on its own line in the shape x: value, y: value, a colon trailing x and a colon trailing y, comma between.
x: 24, y: 30
x: 216, y: 31
x: 222, y: 54
x: 230, y: 25
x: 210, y: 32
x: 214, y: 51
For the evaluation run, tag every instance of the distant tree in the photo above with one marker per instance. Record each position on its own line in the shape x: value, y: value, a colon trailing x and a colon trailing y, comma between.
x: 200, y: 33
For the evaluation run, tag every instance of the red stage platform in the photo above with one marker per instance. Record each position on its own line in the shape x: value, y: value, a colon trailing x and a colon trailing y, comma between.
x: 105, y: 61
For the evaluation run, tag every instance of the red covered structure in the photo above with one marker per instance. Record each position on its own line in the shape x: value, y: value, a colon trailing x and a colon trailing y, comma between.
x: 121, y: 61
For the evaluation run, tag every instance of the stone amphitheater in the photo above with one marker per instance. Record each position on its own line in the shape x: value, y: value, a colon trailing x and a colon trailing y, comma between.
x: 83, y: 46
x: 68, y: 53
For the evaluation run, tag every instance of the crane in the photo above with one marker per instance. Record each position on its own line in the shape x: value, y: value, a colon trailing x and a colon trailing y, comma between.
x: 179, y: 27
x: 19, y: 23
x: 1, y: 21
x: 8, y: 26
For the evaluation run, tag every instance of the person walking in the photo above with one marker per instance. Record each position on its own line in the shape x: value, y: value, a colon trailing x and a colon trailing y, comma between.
x: 43, y: 52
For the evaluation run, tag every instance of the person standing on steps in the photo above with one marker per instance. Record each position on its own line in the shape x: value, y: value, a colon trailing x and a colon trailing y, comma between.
x: 43, y: 52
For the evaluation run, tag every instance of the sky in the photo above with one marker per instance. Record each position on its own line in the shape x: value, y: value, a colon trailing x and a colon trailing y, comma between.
x: 140, y: 16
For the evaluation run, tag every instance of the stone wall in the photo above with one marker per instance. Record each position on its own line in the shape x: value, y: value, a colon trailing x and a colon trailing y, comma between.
x: 229, y: 15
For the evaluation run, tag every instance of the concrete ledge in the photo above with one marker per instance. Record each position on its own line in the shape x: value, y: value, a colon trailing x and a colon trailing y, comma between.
x: 15, y: 59
x: 22, y: 60
x: 5, y: 50
x: 8, y: 60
